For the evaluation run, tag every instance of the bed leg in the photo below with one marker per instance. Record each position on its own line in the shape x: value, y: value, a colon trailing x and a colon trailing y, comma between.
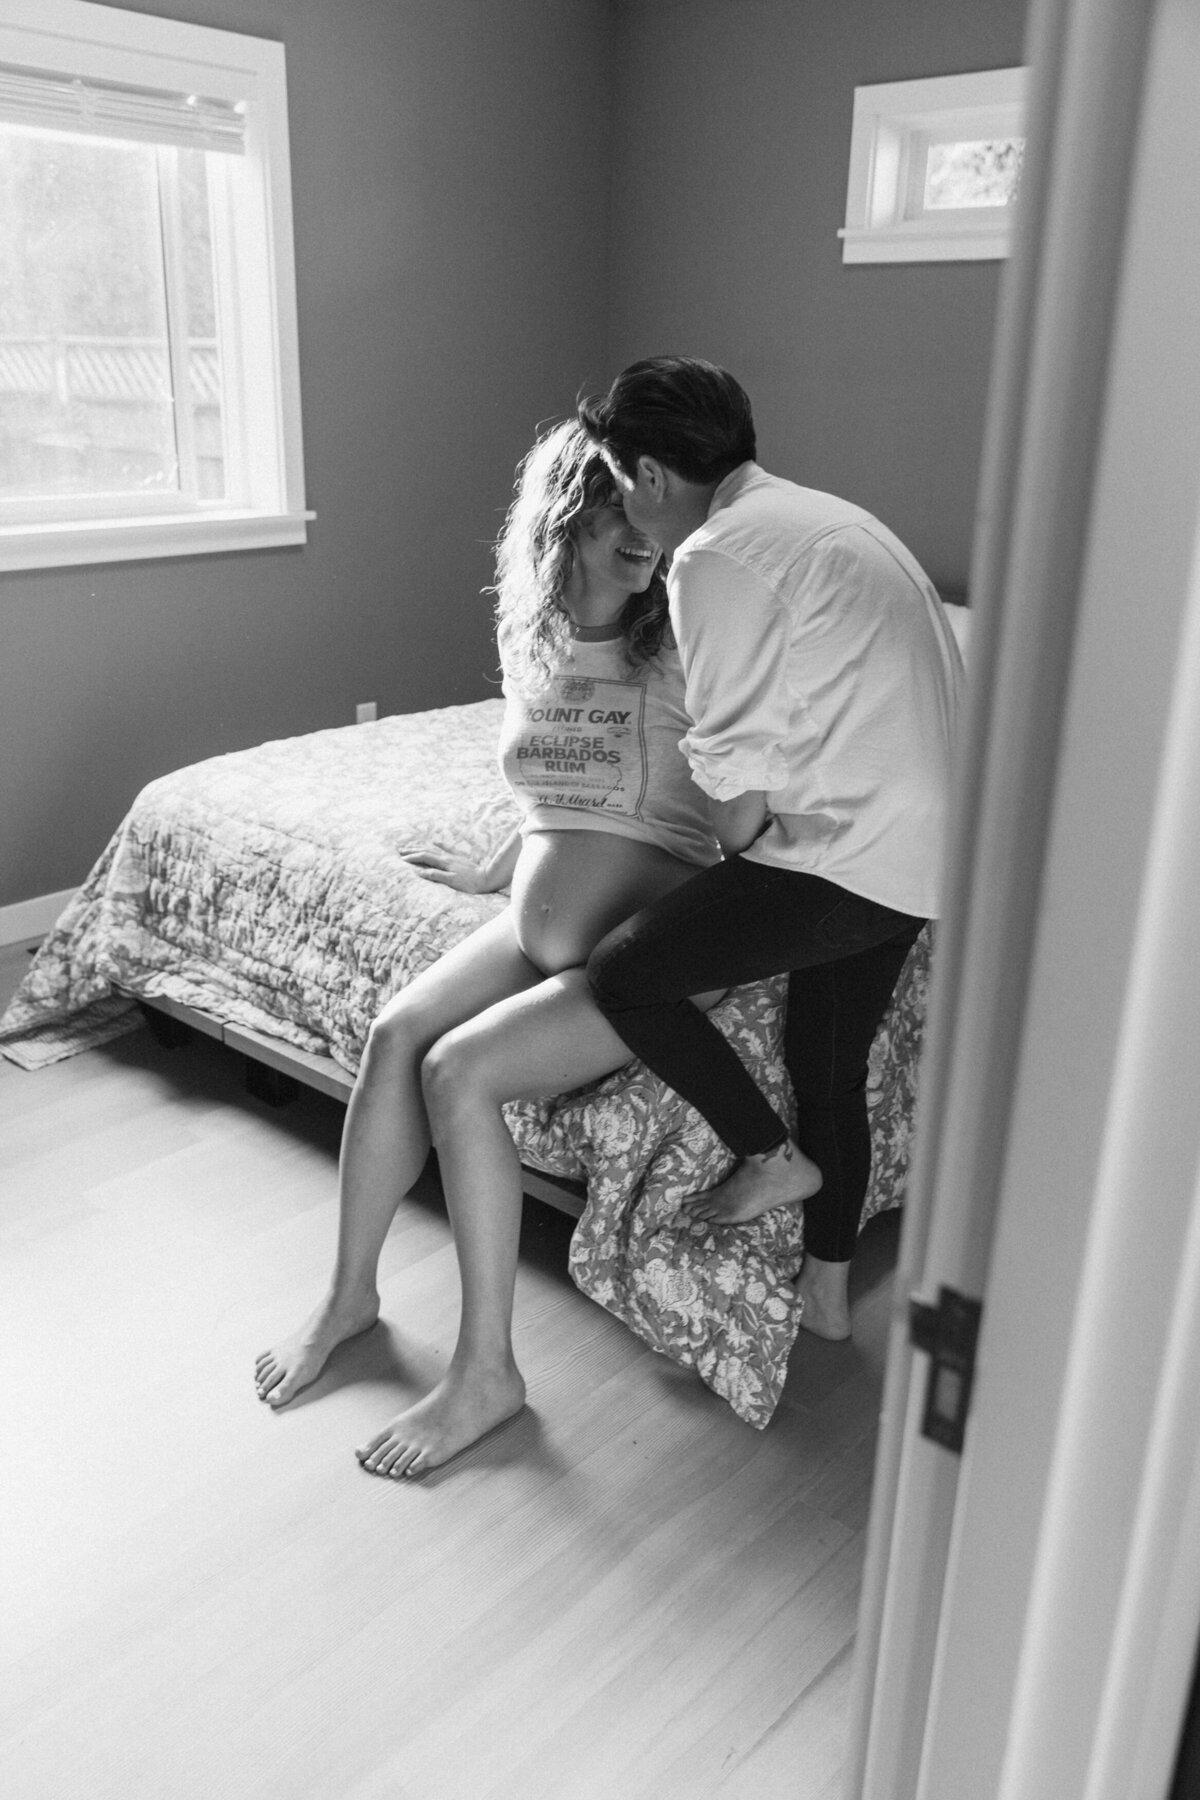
x: 271, y: 1086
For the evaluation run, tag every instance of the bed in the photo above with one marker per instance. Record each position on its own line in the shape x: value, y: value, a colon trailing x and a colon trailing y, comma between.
x: 262, y: 897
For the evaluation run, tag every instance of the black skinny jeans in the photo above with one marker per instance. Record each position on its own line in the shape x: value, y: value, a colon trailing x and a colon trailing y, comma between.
x: 741, y: 921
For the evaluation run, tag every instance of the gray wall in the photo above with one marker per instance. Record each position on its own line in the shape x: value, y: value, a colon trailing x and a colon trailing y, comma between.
x: 730, y: 184
x: 497, y: 202
x: 451, y: 241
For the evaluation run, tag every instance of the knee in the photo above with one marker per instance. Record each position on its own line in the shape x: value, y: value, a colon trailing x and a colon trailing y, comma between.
x: 395, y: 1038
x: 449, y: 1077
x: 610, y: 973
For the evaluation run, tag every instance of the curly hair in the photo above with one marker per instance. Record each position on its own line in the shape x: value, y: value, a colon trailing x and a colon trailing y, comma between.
x: 561, y: 480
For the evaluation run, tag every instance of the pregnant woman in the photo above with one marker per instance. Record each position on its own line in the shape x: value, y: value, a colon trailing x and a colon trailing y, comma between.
x: 612, y: 822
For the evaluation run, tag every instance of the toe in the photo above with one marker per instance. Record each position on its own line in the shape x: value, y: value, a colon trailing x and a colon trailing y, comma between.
x: 715, y: 1214
x: 699, y: 1208
x: 388, y: 1457
x: 380, y: 1453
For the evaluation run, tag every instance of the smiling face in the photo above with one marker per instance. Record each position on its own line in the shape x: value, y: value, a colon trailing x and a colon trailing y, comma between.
x: 612, y: 558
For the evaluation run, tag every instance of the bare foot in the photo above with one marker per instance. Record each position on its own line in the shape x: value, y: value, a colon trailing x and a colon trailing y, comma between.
x: 459, y: 1410
x: 823, y: 1292
x: 782, y: 1177
x: 279, y: 1374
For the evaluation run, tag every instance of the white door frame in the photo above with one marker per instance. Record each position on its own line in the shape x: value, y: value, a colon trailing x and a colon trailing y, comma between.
x: 1056, y: 1065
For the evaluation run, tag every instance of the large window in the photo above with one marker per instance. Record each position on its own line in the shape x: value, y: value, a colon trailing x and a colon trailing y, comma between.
x: 149, y: 389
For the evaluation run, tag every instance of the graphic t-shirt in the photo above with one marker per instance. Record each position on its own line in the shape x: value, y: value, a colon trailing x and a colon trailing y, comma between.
x: 598, y: 750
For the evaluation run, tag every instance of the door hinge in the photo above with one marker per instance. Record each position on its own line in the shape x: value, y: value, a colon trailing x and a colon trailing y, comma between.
x: 948, y: 1333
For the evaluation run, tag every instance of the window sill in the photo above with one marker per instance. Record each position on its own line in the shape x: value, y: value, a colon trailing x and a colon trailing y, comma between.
x: 918, y: 243
x: 65, y: 544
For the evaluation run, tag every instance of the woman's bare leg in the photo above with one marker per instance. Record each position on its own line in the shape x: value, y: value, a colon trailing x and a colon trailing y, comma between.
x: 386, y: 1140
x: 547, y: 1040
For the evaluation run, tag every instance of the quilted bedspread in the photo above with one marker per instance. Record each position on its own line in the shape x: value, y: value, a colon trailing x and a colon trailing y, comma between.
x: 267, y: 888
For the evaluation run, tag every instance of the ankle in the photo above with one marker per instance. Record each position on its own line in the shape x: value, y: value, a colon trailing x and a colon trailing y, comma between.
x: 830, y: 1279
x: 777, y: 1155
x: 347, y: 1296
x: 483, y: 1362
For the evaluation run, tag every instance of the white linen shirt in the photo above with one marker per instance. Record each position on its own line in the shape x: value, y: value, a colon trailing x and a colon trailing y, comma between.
x: 820, y: 669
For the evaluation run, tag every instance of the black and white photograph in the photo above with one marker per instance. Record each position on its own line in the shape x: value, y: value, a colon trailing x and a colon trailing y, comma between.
x: 599, y: 866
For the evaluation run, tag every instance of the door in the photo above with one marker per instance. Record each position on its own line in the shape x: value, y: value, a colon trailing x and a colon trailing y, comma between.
x: 1030, y: 1611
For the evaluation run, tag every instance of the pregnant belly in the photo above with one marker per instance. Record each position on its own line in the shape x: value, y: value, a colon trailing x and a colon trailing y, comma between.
x: 571, y: 887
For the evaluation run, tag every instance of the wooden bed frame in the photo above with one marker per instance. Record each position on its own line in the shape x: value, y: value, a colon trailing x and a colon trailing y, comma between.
x: 276, y: 1071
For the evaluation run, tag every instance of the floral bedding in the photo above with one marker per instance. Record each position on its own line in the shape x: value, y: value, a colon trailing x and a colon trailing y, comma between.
x: 267, y: 889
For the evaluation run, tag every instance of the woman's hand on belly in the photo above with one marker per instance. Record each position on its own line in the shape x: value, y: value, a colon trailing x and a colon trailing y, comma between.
x: 571, y: 887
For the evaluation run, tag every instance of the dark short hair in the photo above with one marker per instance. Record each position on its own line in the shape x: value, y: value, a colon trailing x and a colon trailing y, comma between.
x: 689, y: 415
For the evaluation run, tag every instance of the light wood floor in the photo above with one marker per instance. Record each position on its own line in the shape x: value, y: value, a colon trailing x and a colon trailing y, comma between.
x: 625, y: 1594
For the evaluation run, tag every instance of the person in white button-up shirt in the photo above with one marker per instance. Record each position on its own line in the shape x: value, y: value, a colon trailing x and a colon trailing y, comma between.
x: 823, y: 683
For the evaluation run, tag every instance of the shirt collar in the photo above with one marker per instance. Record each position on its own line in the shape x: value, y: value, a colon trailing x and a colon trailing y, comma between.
x: 733, y: 484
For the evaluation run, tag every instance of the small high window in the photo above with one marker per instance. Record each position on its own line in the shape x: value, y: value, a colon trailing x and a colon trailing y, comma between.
x: 935, y: 168
x: 149, y: 389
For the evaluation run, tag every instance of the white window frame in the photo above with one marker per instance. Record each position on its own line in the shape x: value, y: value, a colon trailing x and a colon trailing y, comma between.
x: 255, y: 276
x: 895, y: 123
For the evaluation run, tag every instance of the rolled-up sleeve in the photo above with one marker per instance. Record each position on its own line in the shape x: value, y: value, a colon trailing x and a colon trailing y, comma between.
x: 734, y: 638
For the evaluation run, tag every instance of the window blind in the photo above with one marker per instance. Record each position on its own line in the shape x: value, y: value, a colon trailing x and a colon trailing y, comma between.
x: 36, y: 99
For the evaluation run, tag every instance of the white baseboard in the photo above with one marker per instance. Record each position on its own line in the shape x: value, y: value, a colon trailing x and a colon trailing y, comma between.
x: 32, y: 918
